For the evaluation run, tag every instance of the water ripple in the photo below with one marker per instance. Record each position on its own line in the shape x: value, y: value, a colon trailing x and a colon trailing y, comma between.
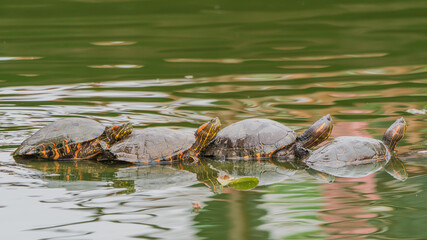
x: 18, y: 58
x: 179, y: 64
x: 309, y: 58
x: 394, y: 70
x: 116, y: 66
x: 113, y: 43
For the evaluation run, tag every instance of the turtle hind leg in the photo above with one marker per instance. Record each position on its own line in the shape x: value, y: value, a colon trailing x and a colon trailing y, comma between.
x: 293, y: 152
x: 106, y: 155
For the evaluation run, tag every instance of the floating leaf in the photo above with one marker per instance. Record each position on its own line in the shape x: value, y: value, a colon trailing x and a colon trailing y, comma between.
x: 244, y: 183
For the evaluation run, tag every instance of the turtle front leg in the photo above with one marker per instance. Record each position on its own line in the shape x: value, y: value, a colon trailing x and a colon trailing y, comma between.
x: 105, y: 153
x: 301, y: 152
x: 191, y: 155
x: 92, y: 150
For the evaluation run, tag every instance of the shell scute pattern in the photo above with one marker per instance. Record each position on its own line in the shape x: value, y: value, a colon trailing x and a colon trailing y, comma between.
x: 71, y: 138
x: 343, y: 151
x: 62, y: 132
x: 146, y: 145
x: 350, y: 156
x: 239, y: 140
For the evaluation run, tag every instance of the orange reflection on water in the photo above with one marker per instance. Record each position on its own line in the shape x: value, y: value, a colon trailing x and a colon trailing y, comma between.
x: 345, y: 206
x: 348, y: 95
x: 356, y: 111
x: 345, y: 200
x: 350, y: 129
x: 387, y: 70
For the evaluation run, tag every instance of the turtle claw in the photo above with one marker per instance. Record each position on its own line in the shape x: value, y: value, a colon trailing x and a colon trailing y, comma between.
x: 301, y: 153
x: 106, y: 154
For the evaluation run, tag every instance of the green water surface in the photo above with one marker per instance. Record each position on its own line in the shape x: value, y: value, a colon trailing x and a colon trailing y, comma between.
x: 180, y: 63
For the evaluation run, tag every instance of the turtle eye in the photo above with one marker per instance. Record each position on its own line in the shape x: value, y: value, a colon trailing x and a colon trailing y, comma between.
x: 115, y: 127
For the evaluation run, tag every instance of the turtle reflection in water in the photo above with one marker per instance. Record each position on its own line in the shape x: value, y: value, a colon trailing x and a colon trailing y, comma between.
x: 163, y: 145
x: 268, y: 172
x: 86, y: 175
x: 184, y: 174
x: 264, y: 138
x: 71, y: 138
x: 350, y: 156
x: 78, y: 175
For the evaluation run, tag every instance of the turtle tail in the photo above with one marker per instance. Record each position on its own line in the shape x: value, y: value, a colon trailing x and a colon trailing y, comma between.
x: 204, y: 135
x: 317, y: 133
x: 394, y: 133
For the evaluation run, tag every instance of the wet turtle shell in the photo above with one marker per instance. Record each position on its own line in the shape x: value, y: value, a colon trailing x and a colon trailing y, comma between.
x: 249, y: 137
x: 350, y: 156
x: 264, y: 138
x: 74, y: 130
x: 70, y: 138
x: 160, y: 144
x: 150, y: 144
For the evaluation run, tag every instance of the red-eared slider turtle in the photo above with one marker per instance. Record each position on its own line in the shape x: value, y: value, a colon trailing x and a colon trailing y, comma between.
x: 160, y: 144
x: 341, y: 156
x: 264, y: 138
x: 71, y: 138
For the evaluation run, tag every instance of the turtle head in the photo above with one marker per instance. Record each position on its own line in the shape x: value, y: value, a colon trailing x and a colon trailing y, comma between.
x: 118, y: 132
x: 206, y: 133
x: 394, y: 133
x: 39, y: 151
x: 317, y: 133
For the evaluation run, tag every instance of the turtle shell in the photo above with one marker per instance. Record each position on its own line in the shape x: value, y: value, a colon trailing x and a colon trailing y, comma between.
x: 250, y: 138
x: 74, y: 130
x: 350, y: 157
x: 147, y: 145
